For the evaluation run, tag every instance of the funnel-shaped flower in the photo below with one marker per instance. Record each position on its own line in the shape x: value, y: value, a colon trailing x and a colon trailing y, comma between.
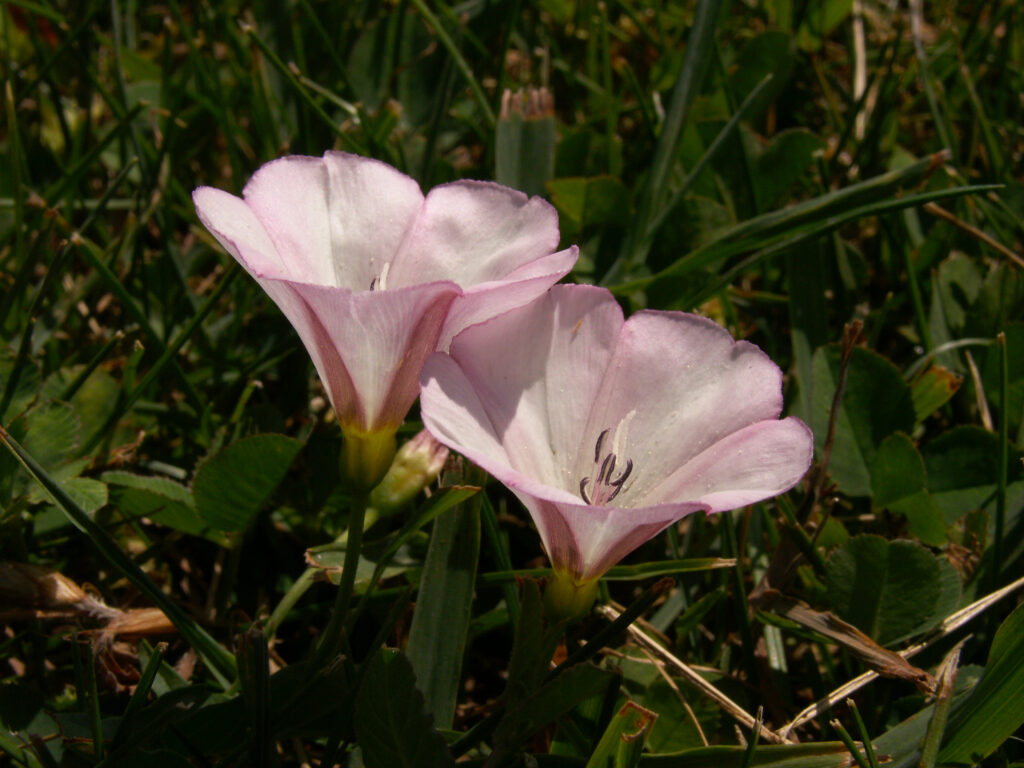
x: 609, y: 431
x: 374, y: 276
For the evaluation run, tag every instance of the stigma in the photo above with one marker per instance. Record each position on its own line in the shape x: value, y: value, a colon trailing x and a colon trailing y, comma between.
x: 601, y: 489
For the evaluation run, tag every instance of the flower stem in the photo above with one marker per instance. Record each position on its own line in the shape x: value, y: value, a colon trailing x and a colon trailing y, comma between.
x: 336, y: 625
x: 291, y: 597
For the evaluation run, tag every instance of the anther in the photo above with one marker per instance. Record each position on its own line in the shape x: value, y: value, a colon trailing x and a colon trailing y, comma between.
x: 597, y: 448
x: 604, y: 487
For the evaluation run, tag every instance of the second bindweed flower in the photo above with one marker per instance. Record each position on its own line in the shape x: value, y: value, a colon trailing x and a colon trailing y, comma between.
x: 609, y: 431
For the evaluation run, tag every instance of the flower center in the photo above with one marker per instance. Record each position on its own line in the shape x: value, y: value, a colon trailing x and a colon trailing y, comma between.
x: 381, y: 283
x: 603, y: 488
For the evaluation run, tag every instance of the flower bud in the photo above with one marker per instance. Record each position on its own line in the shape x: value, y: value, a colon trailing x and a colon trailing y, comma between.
x: 366, y: 456
x: 416, y: 466
x: 567, y: 598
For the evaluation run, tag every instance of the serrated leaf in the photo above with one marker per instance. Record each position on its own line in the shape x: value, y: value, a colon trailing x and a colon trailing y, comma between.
x: 49, y: 431
x: 93, y: 401
x: 887, y: 589
x: 160, y: 500
x: 89, y: 494
x: 391, y: 721
x: 232, y: 486
x: 876, y: 403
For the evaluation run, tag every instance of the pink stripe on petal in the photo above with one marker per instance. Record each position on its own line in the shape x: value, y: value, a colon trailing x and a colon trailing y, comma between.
x: 586, y: 541
x: 382, y: 339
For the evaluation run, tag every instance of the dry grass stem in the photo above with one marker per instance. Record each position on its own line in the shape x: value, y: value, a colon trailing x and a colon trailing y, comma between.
x: 733, y: 709
x: 952, y: 623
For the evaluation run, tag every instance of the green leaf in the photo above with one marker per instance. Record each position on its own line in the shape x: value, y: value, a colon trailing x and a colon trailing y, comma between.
x: 955, y: 287
x: 1000, y: 300
x: 583, y: 202
x: 827, y: 754
x: 675, y: 729
x: 769, y: 53
x: 147, y: 725
x: 898, y: 483
x: 87, y: 493
x: 623, y: 740
x: 27, y: 386
x: 887, y: 589
x: 993, y: 712
x: 94, y: 399
x: 437, y: 638
x: 933, y: 388
x: 963, y: 468
x: 51, y: 432
x: 160, y: 500
x: 331, y: 558
x: 821, y: 18
x: 391, y: 722
x: 782, y: 163
x: 876, y: 403
x: 532, y: 648
x: 550, y: 702
x: 232, y: 486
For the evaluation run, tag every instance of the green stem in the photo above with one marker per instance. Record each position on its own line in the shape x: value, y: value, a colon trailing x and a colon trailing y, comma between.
x: 291, y: 597
x: 1004, y: 459
x: 335, y: 627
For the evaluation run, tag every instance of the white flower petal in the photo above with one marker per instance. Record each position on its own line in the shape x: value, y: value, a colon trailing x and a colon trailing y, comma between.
x: 372, y: 208
x: 751, y: 464
x: 536, y: 371
x: 289, y: 196
x: 475, y: 232
x: 677, y: 384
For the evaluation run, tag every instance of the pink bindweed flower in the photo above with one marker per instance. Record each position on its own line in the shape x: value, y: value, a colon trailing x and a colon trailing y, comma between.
x: 609, y: 431
x: 374, y: 276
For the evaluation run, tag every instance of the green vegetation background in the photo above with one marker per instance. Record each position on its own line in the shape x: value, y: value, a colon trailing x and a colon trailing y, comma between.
x: 785, y: 167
